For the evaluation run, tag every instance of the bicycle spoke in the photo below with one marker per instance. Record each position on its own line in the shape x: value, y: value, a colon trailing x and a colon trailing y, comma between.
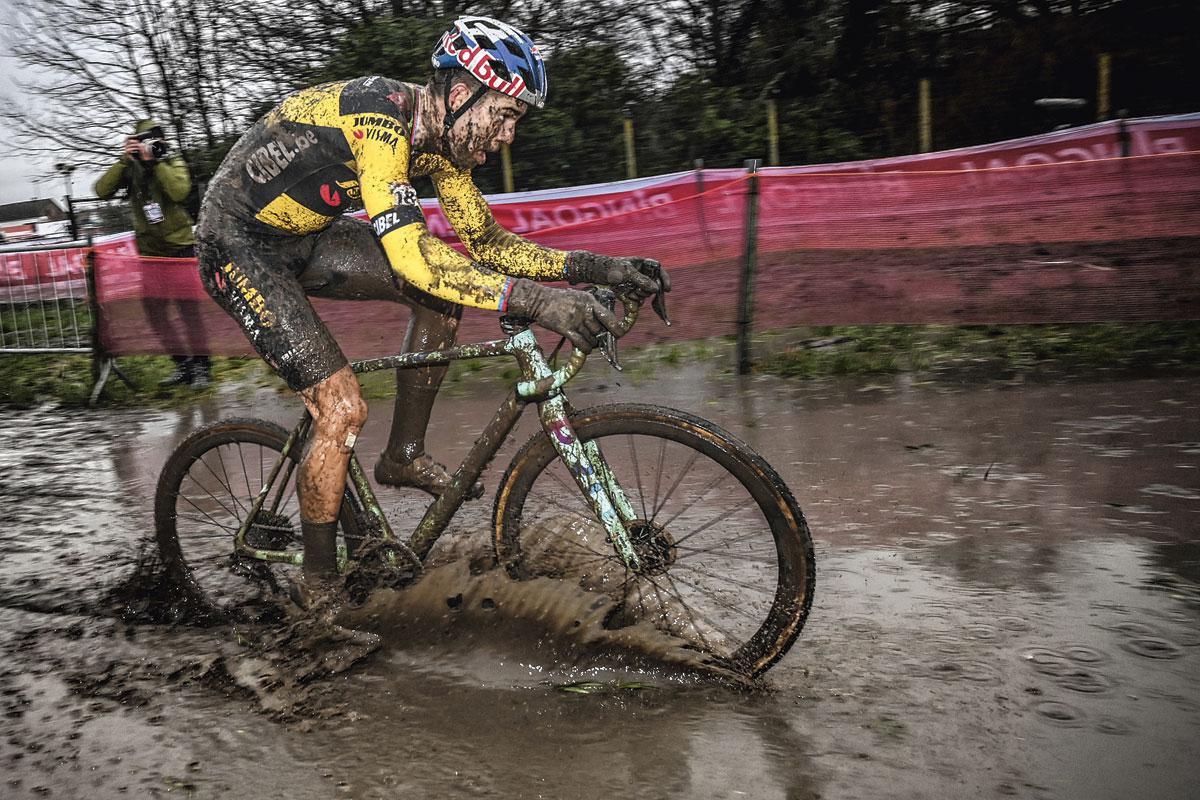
x: 204, y: 537
x: 701, y: 495
x: 688, y: 610
x: 678, y: 480
x: 719, y: 628
x: 245, y: 472
x: 205, y: 513
x: 732, y: 581
x: 205, y: 521
x: 719, y: 518
x: 722, y: 603
x: 720, y: 542
x: 693, y: 552
x: 551, y: 500
x: 637, y: 472
x: 228, y: 489
x: 229, y: 483
x: 662, y: 455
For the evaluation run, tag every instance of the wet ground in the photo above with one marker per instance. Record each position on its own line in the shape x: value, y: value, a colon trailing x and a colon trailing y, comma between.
x: 1007, y: 604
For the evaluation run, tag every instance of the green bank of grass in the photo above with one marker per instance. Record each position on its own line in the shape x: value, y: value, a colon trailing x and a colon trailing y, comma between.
x: 31, y: 380
x: 990, y: 351
x: 931, y: 351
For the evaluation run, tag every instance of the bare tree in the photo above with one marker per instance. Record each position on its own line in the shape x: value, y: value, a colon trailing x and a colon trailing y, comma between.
x: 100, y: 65
x: 207, y: 67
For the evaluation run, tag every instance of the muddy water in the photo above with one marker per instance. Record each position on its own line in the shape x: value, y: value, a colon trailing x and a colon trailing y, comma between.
x: 1008, y: 603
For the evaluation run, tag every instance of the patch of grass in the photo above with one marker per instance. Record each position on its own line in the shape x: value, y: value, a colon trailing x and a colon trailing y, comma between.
x: 992, y: 350
x: 929, y: 351
x: 30, y: 380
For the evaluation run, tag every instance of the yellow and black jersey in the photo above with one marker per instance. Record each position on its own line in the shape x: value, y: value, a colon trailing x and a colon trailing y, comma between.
x: 343, y: 146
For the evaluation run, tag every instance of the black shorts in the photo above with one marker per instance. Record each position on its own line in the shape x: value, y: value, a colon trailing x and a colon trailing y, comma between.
x: 263, y: 281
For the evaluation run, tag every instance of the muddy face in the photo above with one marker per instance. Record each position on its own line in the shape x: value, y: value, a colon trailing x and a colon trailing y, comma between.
x: 489, y: 123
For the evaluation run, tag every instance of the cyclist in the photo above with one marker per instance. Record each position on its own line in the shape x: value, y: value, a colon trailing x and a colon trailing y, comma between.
x: 271, y: 232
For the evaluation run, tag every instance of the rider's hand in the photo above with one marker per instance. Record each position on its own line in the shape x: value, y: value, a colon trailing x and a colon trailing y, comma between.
x: 576, y: 315
x: 644, y: 276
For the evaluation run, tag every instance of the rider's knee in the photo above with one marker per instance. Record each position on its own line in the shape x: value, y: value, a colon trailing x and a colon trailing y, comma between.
x: 337, y: 404
x: 349, y: 410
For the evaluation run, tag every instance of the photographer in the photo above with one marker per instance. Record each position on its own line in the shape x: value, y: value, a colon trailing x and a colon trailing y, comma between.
x: 156, y: 184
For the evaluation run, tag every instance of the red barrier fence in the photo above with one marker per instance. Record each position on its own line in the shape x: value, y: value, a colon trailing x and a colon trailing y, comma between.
x: 1055, y: 228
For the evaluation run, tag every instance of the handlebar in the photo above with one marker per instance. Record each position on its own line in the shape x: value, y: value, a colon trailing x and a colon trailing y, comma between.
x: 557, y: 379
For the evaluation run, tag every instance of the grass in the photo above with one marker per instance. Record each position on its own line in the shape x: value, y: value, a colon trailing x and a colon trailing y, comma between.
x: 31, y: 380
x: 980, y: 352
x: 990, y: 351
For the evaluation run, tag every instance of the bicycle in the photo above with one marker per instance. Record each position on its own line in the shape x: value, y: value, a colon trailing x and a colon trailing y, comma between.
x: 675, y: 520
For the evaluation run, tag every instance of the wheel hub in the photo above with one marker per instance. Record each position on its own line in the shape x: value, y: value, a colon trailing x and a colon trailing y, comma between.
x: 654, y: 546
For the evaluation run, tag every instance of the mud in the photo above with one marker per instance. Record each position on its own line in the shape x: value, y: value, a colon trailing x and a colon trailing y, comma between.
x: 1008, y: 603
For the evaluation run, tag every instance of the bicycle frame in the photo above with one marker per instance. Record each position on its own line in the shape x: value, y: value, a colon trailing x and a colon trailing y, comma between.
x: 540, y: 385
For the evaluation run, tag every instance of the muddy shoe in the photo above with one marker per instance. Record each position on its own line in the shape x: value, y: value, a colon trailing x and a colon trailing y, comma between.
x: 315, y: 644
x: 421, y: 473
x: 316, y: 598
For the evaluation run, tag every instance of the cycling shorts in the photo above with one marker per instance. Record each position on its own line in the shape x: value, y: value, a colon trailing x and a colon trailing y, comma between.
x: 263, y: 281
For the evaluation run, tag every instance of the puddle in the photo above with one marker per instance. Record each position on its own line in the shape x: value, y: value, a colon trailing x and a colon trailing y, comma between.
x: 1010, y: 569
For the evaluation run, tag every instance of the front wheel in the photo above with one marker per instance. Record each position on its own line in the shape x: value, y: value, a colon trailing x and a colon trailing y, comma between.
x: 726, y: 556
x: 205, y: 492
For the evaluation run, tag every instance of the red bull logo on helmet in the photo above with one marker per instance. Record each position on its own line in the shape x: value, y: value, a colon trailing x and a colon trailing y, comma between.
x: 476, y: 61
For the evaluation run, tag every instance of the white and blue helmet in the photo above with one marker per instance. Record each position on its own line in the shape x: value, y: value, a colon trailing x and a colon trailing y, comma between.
x: 499, y: 56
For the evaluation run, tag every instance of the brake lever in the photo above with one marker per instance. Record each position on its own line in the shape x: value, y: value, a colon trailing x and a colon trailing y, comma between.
x: 659, y: 304
x: 606, y: 340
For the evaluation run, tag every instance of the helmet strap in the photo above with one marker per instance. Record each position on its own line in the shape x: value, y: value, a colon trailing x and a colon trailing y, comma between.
x: 452, y: 117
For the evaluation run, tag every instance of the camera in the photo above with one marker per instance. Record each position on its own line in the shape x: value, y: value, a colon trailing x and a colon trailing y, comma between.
x: 154, y: 138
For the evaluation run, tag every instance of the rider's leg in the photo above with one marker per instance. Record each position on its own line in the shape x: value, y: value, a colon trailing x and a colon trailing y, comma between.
x: 248, y: 277
x: 338, y: 412
x: 348, y: 263
x: 404, y: 462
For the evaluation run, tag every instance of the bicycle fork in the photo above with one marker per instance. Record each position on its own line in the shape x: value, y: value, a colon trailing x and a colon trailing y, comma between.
x: 584, y: 461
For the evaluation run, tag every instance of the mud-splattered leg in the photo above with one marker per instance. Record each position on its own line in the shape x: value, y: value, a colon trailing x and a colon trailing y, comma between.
x: 416, y: 389
x: 404, y: 461
x: 339, y: 413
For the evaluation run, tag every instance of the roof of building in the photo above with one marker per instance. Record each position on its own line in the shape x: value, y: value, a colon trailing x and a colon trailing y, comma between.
x: 31, y: 209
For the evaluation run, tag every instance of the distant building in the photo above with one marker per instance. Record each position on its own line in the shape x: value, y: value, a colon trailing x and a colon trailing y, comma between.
x: 31, y: 219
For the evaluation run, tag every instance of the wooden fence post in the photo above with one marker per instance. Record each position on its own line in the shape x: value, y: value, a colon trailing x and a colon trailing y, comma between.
x: 630, y: 156
x: 1103, y: 86
x: 772, y: 134
x: 749, y: 263
x: 924, y: 112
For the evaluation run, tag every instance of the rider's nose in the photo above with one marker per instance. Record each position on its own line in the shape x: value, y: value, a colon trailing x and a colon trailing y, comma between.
x: 508, y: 132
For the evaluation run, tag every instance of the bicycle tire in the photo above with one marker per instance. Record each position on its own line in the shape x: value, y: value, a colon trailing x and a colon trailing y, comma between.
x: 214, y: 582
x: 529, y: 547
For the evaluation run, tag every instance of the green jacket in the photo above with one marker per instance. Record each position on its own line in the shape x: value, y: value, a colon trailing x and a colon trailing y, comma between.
x: 164, y: 182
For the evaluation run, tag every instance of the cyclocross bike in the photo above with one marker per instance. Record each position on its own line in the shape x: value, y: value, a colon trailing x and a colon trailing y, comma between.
x: 676, y: 521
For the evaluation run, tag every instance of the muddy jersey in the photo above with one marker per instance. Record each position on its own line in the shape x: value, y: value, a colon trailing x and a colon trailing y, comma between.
x: 344, y: 146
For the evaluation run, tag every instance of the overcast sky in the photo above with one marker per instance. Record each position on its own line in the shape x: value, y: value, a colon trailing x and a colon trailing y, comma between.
x: 22, y: 177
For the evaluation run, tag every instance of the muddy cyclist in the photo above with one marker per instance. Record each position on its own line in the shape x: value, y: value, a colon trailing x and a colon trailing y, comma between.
x: 272, y: 232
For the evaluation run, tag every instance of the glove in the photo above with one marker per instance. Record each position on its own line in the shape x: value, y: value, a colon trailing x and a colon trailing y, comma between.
x: 576, y: 315
x: 644, y: 276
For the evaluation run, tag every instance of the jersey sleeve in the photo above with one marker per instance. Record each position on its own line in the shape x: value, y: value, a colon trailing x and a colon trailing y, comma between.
x: 382, y: 155
x: 485, y: 239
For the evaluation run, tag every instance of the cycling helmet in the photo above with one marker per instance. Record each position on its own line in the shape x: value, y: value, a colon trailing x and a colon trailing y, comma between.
x: 497, y: 54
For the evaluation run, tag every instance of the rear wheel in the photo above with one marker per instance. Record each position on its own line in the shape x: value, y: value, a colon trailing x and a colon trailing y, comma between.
x: 204, y: 494
x: 726, y: 556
